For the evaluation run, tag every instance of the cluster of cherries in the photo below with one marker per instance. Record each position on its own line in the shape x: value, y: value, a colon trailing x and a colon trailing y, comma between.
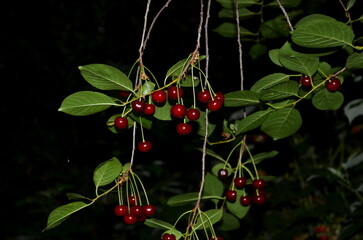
x: 258, y: 185
x: 333, y: 84
x: 134, y: 212
x: 177, y: 111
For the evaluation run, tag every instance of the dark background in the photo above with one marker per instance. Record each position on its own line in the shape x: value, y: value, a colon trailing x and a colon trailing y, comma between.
x: 46, y: 153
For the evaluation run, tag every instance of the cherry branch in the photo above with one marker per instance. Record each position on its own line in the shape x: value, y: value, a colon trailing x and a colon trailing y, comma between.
x: 286, y: 15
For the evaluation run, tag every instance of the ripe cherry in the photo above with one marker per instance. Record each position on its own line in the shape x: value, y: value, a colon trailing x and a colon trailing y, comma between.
x: 138, y: 106
x: 219, y: 96
x: 175, y: 93
x: 231, y: 195
x: 222, y: 173
x: 121, y: 210
x: 149, y: 210
x: 159, y: 97
x: 245, y: 200
x: 130, y: 219
x: 137, y: 210
x: 305, y: 81
x: 323, y: 237
x: 333, y: 84
x: 178, y: 111
x: 240, y: 182
x: 259, y: 199
x: 133, y: 200
x: 183, y: 128
x: 168, y: 236
x: 215, y: 105
x: 193, y: 114
x: 121, y: 123
x: 149, y: 109
x: 204, y: 96
x: 320, y: 229
x: 124, y: 93
x: 144, y: 146
x: 258, y: 183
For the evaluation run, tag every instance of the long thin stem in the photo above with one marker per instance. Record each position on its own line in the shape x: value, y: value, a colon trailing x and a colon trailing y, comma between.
x: 286, y: 15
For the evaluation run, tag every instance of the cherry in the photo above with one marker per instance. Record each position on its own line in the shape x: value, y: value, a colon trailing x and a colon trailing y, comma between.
x: 258, y: 183
x: 183, y: 128
x: 130, y: 219
x: 333, y: 84
x: 124, y: 93
x: 305, y: 81
x: 168, y: 236
x: 149, y: 109
x: 174, y: 92
x: 121, y: 122
x: 121, y: 210
x: 204, y: 96
x: 245, y: 200
x: 178, y: 111
x: 141, y: 218
x: 193, y: 114
x: 219, y: 96
x: 138, y: 106
x: 320, y: 229
x: 149, y: 210
x: 323, y: 237
x: 222, y: 173
x: 215, y: 105
x: 240, y: 182
x: 159, y: 97
x: 133, y: 200
x: 259, y: 199
x: 137, y: 210
x: 231, y: 195
x: 144, y: 146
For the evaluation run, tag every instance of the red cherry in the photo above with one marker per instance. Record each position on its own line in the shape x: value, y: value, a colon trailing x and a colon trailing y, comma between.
x: 320, y: 229
x: 219, y: 96
x: 149, y: 109
x: 222, y: 173
x: 333, y: 84
x: 121, y: 123
x: 124, y: 93
x: 231, y: 195
x: 159, y: 97
x: 121, y: 210
x: 305, y: 81
x: 141, y: 218
x: 137, y: 210
x: 138, y: 106
x: 144, y: 146
x: 258, y: 183
x: 183, y: 128
x: 259, y: 199
x: 193, y: 114
x: 204, y: 96
x: 215, y: 105
x: 175, y: 93
x: 168, y: 236
x: 149, y: 210
x: 240, y: 182
x: 130, y: 219
x: 245, y: 200
x: 323, y: 237
x: 178, y: 111
x: 133, y: 200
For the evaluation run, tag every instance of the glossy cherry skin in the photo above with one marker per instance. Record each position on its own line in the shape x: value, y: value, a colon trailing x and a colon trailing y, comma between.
x: 144, y: 146
x: 193, y: 114
x: 168, y: 236
x: 258, y: 183
x: 183, y: 128
x: 138, y: 106
x: 259, y: 199
x: 215, y: 105
x: 137, y: 210
x: 231, y: 195
x: 130, y: 219
x: 178, y: 111
x: 219, y: 96
x: 149, y: 109
x: 149, y: 210
x: 159, y: 97
x: 333, y: 85
x: 121, y: 210
x: 175, y: 93
x: 240, y: 182
x: 204, y: 96
x: 133, y: 200
x: 222, y: 173
x: 305, y: 81
x: 245, y: 200
x: 121, y: 123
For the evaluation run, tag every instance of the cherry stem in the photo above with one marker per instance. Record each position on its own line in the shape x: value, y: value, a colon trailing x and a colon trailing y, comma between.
x: 142, y: 186
x: 253, y: 161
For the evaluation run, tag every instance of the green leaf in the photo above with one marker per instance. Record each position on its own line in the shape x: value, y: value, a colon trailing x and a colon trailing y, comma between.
x: 294, y: 50
x: 355, y: 61
x: 213, y: 154
x: 241, y: 98
x: 163, y: 112
x: 202, y: 125
x: 85, y: 103
x: 218, y: 166
x: 353, y: 109
x: 107, y: 172
x: 282, y: 123
x: 257, y: 50
x: 77, y: 196
x: 314, y: 17
x: 229, y: 30
x: 244, y: 13
x: 60, y: 214
x: 322, y: 34
x: 262, y: 156
x: 274, y: 56
x: 105, y: 77
x: 236, y: 208
x: 188, y: 81
x: 252, y: 121
x: 269, y: 81
x: 325, y: 100
x: 147, y: 87
x: 280, y: 91
x: 275, y: 28
x: 182, y: 199
x: 156, y: 223
x: 177, y: 68
x: 213, y: 186
x: 229, y: 4
x: 285, y: 3
x: 208, y: 218
x: 146, y: 123
x: 350, y: 4
x: 229, y: 222
x: 305, y: 65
